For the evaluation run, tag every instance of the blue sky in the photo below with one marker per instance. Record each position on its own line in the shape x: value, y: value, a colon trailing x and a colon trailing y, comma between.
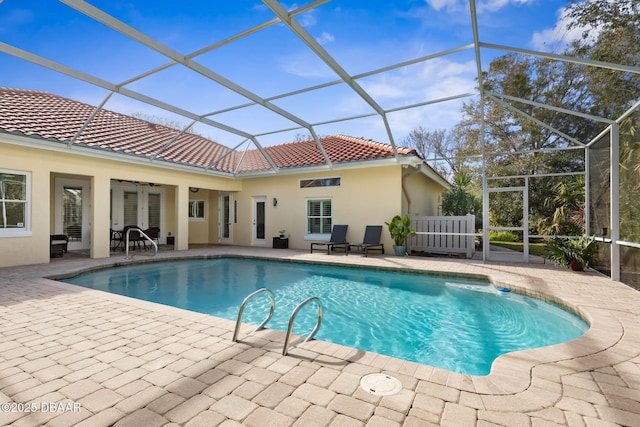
x: 361, y: 36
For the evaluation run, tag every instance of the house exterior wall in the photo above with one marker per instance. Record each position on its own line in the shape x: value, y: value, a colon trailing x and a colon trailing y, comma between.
x: 44, y: 165
x: 205, y: 232
x: 366, y: 196
x: 422, y: 196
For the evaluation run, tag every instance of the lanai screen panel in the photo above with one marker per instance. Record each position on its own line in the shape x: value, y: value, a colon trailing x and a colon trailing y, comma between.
x: 630, y: 179
x: 599, y: 188
x: 599, y: 199
x: 630, y: 199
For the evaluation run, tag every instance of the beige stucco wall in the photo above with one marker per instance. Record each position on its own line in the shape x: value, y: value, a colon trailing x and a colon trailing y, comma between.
x: 205, y: 232
x: 421, y: 196
x: 45, y: 165
x: 365, y: 197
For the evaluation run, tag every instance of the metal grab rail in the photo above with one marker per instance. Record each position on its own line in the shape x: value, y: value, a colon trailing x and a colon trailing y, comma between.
x: 293, y: 318
x: 241, y: 311
x: 142, y: 233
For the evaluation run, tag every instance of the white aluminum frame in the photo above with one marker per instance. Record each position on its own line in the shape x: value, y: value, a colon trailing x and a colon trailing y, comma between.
x: 288, y: 19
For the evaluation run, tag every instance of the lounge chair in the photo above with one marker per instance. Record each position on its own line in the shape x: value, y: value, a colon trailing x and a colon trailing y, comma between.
x: 134, y: 237
x: 153, y: 233
x: 371, y: 240
x: 59, y: 244
x: 338, y: 239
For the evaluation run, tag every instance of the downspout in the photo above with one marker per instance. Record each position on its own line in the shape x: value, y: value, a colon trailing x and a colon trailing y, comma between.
x: 405, y: 193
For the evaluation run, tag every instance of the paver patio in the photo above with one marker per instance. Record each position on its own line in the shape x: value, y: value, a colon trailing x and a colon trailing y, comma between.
x: 76, y: 356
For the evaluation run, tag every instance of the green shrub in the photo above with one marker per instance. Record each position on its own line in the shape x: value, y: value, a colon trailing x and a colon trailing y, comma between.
x: 575, y: 253
x: 503, y: 236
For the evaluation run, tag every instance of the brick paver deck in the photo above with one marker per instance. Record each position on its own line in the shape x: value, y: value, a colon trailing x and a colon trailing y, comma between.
x: 75, y: 356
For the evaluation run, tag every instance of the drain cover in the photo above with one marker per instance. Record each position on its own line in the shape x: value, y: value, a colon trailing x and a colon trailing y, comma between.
x: 380, y: 384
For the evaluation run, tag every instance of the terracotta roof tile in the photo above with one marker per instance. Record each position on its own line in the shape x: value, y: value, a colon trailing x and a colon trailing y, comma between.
x: 47, y: 116
x: 339, y: 149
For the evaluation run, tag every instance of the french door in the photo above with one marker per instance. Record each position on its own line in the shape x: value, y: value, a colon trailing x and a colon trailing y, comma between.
x: 72, y: 211
x: 141, y: 206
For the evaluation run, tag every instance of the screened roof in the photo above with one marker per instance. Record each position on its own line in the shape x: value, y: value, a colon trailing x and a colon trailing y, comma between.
x: 252, y: 74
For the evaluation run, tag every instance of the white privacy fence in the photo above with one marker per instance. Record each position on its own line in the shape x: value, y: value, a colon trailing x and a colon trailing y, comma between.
x: 443, y: 234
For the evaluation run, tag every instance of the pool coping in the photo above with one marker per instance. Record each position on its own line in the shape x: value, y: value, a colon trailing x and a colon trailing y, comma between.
x: 523, y: 381
x: 341, y: 348
x: 510, y: 373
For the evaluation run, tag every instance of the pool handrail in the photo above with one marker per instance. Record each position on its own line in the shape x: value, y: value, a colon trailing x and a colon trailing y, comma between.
x: 241, y: 312
x: 142, y: 233
x: 293, y: 318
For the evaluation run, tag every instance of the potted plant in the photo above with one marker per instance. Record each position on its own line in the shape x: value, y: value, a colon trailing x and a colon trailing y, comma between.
x: 400, y: 229
x: 573, y: 253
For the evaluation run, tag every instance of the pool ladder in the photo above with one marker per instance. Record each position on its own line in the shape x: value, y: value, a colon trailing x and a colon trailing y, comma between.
x: 292, y: 318
x: 241, y: 312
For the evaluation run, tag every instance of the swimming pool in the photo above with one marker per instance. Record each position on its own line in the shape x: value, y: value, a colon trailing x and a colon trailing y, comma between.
x: 457, y: 324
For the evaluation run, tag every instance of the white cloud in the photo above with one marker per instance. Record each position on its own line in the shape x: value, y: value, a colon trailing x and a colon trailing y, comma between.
x: 556, y: 38
x: 449, y: 5
x: 325, y: 38
x: 435, y: 79
x: 495, y: 5
x: 307, y: 20
x: 454, y: 6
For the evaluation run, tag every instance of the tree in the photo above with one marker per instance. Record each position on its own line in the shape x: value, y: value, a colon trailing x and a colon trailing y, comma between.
x: 460, y: 201
x: 568, y: 204
x: 617, y: 24
x: 512, y: 144
x: 158, y: 120
x: 611, y: 15
x: 436, y: 144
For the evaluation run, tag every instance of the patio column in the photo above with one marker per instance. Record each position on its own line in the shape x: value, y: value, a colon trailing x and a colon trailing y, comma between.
x: 100, y: 216
x: 182, y: 217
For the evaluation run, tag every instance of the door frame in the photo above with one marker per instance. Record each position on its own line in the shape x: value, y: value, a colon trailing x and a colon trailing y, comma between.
x: 524, y: 190
x: 255, y: 220
x: 221, y: 216
x: 143, y: 191
x: 85, y: 239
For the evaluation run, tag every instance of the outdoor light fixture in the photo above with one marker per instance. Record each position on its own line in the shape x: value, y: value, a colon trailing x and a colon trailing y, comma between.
x: 275, y: 202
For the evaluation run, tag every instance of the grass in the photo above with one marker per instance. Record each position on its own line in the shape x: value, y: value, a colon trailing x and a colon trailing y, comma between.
x: 539, y: 249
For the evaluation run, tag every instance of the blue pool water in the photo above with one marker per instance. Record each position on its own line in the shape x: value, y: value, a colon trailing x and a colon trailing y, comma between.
x: 461, y: 325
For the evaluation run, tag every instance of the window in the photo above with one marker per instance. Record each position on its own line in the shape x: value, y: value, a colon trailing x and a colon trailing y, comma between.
x: 131, y: 208
x: 235, y: 211
x: 155, y: 209
x: 196, y: 210
x: 14, y: 203
x: 320, y: 182
x: 319, y: 218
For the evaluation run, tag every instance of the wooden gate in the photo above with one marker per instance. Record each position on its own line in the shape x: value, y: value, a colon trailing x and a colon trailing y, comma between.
x: 443, y: 234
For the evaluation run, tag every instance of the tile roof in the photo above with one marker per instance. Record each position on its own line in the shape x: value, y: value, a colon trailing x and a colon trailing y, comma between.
x: 51, y: 117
